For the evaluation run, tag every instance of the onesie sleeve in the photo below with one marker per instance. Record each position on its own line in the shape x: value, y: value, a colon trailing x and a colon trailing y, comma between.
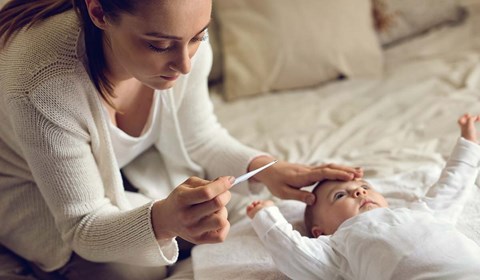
x: 448, y: 195
x: 296, y: 256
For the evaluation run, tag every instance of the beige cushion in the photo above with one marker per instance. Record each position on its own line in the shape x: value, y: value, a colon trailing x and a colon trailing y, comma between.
x: 401, y: 19
x: 217, y: 69
x: 271, y: 45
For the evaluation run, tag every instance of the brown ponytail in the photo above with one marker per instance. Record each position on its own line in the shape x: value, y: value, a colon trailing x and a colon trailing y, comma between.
x: 97, y: 64
x: 17, y: 14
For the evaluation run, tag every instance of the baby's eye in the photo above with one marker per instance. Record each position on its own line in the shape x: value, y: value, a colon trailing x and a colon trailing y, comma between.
x: 338, y: 195
x: 365, y: 187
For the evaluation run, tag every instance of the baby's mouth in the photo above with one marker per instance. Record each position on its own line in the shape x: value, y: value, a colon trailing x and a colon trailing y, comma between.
x: 366, y: 202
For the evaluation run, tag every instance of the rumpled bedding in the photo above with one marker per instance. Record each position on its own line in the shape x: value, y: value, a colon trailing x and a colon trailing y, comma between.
x: 400, y: 129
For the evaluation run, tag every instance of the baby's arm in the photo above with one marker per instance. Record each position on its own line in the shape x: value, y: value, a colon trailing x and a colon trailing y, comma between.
x: 448, y: 196
x: 296, y: 256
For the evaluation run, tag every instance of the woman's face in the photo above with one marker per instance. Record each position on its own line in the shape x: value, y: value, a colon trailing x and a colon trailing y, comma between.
x: 156, y: 43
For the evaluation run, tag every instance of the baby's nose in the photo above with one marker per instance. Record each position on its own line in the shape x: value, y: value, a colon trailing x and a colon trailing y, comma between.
x: 360, y: 192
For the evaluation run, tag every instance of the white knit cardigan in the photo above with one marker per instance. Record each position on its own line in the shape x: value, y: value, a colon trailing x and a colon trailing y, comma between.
x: 60, y: 185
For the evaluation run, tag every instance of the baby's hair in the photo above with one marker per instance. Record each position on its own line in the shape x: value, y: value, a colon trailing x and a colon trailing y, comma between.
x: 308, y: 217
x: 309, y: 210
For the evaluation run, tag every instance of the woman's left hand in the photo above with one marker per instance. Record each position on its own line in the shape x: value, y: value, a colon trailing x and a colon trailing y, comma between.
x: 285, y: 179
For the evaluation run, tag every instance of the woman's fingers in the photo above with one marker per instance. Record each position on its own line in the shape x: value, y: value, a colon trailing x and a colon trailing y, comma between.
x: 197, y: 190
x: 212, y: 222
x: 203, y: 200
x: 286, y: 179
x: 195, y: 211
x: 204, y: 216
x: 333, y: 166
x: 210, y: 229
x: 333, y: 172
x: 214, y: 236
x: 200, y: 210
x: 287, y: 192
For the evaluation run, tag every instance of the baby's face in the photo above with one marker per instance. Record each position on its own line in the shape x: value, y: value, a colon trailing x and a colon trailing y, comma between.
x: 338, y: 201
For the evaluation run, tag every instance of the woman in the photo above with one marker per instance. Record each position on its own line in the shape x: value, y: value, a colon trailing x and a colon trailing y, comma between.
x: 92, y: 87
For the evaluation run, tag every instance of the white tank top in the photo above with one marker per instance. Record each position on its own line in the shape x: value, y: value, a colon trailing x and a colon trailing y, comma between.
x: 127, y: 147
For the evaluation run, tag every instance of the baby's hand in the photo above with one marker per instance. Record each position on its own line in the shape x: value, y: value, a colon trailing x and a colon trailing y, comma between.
x: 467, y: 127
x: 256, y: 206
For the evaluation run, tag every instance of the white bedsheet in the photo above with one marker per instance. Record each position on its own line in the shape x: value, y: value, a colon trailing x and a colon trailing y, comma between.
x: 399, y: 129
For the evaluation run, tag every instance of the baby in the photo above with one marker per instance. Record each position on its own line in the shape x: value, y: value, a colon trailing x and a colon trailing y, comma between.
x: 354, y: 235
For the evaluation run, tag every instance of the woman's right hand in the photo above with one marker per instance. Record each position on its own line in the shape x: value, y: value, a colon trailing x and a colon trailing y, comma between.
x: 195, y: 211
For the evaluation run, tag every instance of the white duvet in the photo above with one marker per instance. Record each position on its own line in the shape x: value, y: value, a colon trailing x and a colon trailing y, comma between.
x: 399, y: 129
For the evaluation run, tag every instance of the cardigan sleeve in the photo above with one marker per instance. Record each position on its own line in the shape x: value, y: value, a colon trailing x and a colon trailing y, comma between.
x: 448, y: 195
x: 206, y: 141
x: 57, y: 135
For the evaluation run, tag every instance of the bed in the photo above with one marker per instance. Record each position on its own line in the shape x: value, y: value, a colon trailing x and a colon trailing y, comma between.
x: 399, y: 126
x: 393, y: 112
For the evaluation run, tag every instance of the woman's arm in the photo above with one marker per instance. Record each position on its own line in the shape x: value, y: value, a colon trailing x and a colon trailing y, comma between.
x: 206, y: 141
x: 74, y: 169
x: 212, y: 147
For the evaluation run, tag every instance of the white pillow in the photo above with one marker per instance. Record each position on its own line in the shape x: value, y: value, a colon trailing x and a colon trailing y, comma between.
x: 271, y: 45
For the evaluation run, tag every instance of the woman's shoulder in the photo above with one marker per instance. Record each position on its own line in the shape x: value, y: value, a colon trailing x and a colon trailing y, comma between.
x: 41, y: 51
x: 40, y: 70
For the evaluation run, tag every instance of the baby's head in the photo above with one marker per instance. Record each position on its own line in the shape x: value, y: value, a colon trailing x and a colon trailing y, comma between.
x: 337, y: 201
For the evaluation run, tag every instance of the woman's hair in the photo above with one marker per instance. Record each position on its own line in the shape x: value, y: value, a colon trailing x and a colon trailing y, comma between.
x: 17, y: 14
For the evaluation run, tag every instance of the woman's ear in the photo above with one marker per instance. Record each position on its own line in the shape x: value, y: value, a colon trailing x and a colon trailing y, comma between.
x: 96, y: 13
x: 316, y: 231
